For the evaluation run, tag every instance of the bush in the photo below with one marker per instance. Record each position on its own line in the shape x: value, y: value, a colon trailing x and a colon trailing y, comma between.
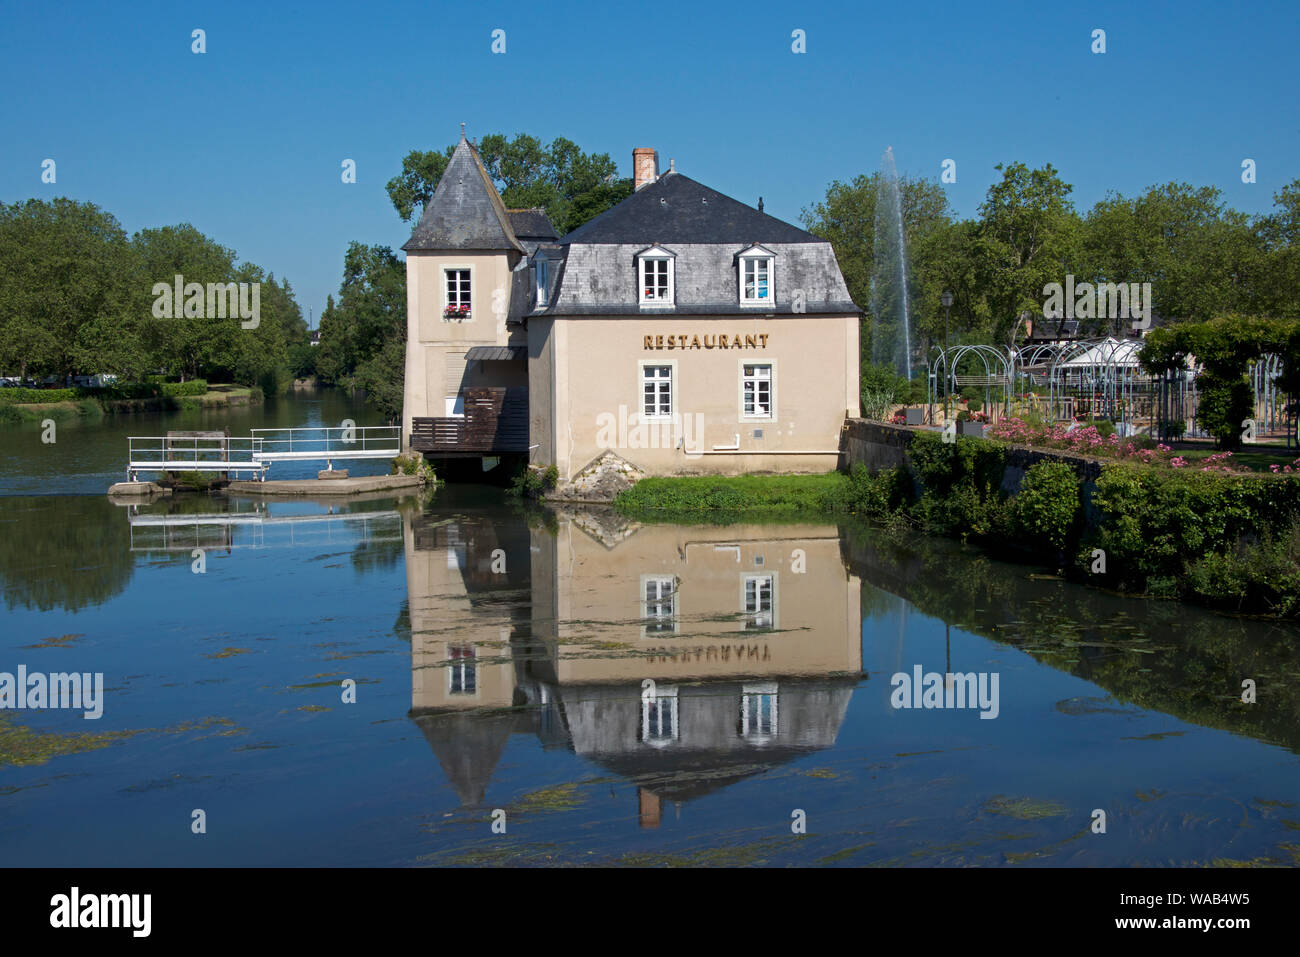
x: 28, y: 396
x: 533, y: 482
x: 1046, y: 512
x: 1153, y: 523
x: 876, y: 403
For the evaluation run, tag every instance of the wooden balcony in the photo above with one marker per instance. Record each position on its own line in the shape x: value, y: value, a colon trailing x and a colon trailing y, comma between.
x: 495, y: 421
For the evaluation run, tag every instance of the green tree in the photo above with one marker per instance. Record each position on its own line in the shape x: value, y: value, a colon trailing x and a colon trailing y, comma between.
x: 572, y: 186
x: 363, y: 336
x: 1027, y: 237
x: 847, y: 218
x: 1201, y: 258
x: 67, y: 283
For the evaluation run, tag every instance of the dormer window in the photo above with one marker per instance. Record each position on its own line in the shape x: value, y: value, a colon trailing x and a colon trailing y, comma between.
x: 655, y: 276
x: 541, y: 269
x: 756, y: 269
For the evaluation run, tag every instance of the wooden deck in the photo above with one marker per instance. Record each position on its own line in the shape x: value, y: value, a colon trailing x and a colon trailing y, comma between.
x: 495, y: 421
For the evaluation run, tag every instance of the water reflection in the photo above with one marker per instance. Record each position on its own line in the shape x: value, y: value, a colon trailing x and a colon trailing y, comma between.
x: 682, y: 659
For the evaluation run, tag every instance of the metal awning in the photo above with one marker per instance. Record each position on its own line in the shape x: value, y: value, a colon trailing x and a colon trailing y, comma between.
x: 496, y: 353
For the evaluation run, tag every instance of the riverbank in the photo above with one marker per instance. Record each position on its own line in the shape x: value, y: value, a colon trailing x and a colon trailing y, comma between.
x: 1230, y: 541
x: 18, y: 409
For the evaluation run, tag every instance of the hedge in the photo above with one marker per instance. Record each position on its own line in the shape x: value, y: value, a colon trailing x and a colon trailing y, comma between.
x: 124, y: 390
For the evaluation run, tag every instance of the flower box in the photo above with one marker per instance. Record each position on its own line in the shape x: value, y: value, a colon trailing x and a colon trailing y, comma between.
x: 967, y: 427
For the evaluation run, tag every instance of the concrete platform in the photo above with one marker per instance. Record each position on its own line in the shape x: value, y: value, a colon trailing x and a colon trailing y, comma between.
x: 137, y: 490
x: 332, y: 487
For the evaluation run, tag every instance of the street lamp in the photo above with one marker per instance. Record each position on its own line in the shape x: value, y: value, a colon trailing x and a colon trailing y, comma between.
x: 946, y: 299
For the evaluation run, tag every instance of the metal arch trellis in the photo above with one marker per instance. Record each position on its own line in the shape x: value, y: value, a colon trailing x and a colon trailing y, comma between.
x: 1028, y: 358
x: 998, y: 371
x: 1103, y: 377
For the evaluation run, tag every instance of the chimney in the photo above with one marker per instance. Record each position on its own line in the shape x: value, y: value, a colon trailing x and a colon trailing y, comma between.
x: 645, y: 166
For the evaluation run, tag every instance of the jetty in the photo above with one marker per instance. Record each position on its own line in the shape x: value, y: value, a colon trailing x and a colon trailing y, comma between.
x: 227, y: 457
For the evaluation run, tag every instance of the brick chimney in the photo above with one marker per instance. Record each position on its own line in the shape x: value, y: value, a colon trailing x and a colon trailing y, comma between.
x: 645, y: 166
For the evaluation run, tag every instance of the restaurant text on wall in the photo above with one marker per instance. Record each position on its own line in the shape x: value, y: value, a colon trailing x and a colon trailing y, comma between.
x: 718, y: 341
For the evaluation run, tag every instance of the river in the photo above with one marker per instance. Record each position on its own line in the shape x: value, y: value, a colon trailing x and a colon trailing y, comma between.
x: 458, y: 680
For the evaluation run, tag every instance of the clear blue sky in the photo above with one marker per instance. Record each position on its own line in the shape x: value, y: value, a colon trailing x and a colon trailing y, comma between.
x: 246, y: 140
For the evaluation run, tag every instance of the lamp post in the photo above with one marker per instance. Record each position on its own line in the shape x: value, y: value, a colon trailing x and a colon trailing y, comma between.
x: 946, y: 299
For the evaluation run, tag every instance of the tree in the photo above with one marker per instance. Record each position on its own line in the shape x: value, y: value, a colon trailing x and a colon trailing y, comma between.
x: 363, y: 337
x: 847, y: 219
x: 572, y: 186
x: 1026, y: 238
x: 1201, y: 258
x: 67, y: 281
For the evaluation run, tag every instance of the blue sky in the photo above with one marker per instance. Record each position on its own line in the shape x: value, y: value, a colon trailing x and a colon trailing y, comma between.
x: 246, y: 140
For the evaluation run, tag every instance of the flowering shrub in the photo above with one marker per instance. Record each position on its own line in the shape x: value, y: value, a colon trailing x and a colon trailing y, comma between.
x: 1288, y: 469
x: 1088, y: 440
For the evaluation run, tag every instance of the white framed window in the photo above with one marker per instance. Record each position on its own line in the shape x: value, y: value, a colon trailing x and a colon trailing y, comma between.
x: 659, y: 716
x: 656, y: 390
x: 458, y: 300
x: 757, y: 390
x: 658, y: 605
x: 462, y: 672
x: 759, y: 715
x: 541, y: 269
x: 757, y: 275
x: 655, y: 279
x: 758, y: 602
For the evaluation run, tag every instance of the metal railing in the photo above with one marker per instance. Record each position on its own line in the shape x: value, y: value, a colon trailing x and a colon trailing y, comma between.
x: 160, y: 453
x: 352, y: 442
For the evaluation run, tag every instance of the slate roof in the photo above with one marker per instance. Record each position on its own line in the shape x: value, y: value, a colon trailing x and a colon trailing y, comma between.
x: 677, y: 209
x: 532, y: 223
x: 596, y: 272
x: 496, y: 353
x: 465, y: 211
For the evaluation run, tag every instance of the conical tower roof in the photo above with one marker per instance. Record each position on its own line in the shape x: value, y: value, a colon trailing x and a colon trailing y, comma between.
x: 465, y: 211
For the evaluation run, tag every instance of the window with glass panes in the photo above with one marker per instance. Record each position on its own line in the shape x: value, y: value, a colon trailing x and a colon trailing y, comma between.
x: 758, y: 601
x: 757, y: 390
x: 758, y: 711
x: 656, y: 391
x: 659, y: 717
x: 458, y: 290
x: 659, y: 605
x: 656, y: 280
x: 756, y: 279
x: 463, y: 670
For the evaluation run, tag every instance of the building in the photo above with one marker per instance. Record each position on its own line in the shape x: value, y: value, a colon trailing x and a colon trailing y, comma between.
x: 682, y: 330
x: 519, y: 630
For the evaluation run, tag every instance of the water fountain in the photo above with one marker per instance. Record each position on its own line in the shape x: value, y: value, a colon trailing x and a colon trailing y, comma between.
x: 891, y: 331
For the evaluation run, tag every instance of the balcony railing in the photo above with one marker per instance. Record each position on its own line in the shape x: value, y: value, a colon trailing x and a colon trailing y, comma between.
x: 495, y: 420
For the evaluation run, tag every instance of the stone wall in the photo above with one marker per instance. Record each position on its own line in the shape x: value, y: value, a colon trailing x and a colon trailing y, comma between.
x: 880, y: 446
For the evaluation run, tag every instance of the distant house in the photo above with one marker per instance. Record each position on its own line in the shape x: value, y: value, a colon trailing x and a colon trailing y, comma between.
x: 683, y: 330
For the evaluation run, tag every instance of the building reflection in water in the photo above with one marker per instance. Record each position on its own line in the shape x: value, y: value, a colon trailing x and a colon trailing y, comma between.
x: 681, y: 658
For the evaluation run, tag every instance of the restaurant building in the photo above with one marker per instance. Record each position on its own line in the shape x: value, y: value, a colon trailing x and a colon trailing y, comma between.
x: 682, y: 330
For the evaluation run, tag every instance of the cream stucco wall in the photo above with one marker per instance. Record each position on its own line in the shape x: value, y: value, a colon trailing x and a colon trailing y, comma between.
x: 586, y: 392
x: 578, y: 580
x: 430, y: 339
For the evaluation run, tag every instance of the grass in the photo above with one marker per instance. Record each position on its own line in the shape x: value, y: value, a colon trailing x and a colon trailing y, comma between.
x: 1257, y: 458
x: 767, y: 495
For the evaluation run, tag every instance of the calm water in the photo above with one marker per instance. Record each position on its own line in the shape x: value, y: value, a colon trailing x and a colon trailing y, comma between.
x: 500, y: 659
